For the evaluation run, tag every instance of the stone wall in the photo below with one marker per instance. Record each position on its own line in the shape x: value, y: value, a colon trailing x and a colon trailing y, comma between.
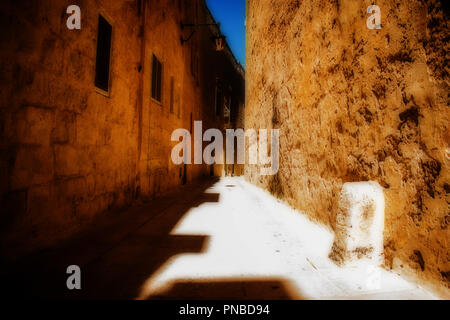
x: 68, y: 152
x: 355, y: 104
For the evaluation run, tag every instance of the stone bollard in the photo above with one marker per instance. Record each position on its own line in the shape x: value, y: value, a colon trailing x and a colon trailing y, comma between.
x: 359, y: 224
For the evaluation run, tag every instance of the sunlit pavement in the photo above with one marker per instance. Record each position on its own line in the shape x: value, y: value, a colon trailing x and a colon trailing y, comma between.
x: 210, y: 240
x: 275, y: 251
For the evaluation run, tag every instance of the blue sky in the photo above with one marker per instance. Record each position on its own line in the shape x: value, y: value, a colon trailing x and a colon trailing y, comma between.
x: 231, y: 15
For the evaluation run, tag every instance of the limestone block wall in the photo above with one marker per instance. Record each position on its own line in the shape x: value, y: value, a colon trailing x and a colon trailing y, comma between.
x: 355, y: 104
x: 194, y: 67
x: 162, y: 39
x: 69, y: 153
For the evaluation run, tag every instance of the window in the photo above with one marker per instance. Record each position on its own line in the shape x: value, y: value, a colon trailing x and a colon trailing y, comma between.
x: 227, y: 109
x: 171, y: 94
x: 156, y: 79
x: 139, y: 7
x: 103, y: 54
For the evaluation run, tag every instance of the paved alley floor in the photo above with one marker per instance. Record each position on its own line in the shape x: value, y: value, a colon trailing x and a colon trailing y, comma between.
x: 214, y: 240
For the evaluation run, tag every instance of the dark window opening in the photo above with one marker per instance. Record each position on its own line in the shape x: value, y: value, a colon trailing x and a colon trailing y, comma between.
x: 156, y: 79
x: 139, y: 7
x: 227, y: 109
x: 103, y: 54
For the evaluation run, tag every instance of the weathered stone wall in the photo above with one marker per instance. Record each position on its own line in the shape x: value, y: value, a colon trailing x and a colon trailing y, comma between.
x: 195, y: 66
x: 355, y: 104
x: 68, y: 152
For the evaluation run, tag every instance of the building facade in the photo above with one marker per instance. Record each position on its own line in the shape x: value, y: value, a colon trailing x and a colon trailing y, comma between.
x: 87, y: 114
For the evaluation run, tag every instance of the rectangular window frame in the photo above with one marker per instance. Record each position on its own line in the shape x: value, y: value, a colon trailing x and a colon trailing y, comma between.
x: 157, y: 65
x: 98, y: 89
x: 227, y: 109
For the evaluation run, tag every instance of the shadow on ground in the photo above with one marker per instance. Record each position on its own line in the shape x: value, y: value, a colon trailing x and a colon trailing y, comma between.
x: 116, y: 255
x: 227, y: 289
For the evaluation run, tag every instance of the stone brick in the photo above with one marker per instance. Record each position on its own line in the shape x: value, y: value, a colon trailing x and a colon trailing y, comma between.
x: 71, y: 161
x: 71, y: 189
x: 32, y: 166
x: 40, y: 209
x: 87, y: 131
x: 14, y: 205
x: 65, y: 128
x: 33, y: 125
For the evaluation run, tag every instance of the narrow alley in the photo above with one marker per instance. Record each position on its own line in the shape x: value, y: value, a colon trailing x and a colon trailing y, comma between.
x: 221, y: 239
x: 215, y: 149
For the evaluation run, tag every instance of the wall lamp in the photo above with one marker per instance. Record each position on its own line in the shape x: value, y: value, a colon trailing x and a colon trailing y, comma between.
x: 219, y: 40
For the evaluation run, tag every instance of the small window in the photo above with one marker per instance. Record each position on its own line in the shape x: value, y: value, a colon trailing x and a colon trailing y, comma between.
x: 171, y: 94
x: 156, y: 79
x: 103, y: 54
x: 139, y: 7
x: 227, y: 109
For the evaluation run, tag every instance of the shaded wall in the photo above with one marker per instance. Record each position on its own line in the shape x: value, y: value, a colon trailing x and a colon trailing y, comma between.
x: 355, y: 104
x: 69, y: 153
